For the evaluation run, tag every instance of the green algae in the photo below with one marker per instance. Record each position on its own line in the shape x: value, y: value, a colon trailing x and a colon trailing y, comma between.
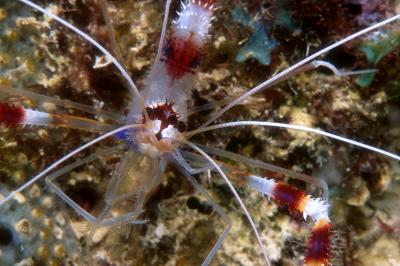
x: 259, y: 45
x: 375, y: 50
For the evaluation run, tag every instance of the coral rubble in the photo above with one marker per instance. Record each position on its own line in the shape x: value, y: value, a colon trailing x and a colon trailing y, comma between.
x: 39, y: 55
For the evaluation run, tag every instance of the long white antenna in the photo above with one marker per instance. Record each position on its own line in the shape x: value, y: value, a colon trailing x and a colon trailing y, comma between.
x: 234, y: 192
x: 296, y: 127
x: 132, y: 87
x: 163, y: 30
x: 63, y: 159
x: 294, y: 67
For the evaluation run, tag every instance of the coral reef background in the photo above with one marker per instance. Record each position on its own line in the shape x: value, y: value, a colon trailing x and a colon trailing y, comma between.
x: 251, y: 40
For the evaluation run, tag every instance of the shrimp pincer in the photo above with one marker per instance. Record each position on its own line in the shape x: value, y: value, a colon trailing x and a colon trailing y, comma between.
x: 133, y: 153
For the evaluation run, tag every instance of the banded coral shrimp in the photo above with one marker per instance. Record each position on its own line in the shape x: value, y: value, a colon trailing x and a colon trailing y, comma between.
x: 95, y: 125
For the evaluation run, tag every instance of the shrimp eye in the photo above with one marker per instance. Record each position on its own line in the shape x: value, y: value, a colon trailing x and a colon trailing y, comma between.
x: 158, y: 113
x: 172, y: 120
x: 150, y: 112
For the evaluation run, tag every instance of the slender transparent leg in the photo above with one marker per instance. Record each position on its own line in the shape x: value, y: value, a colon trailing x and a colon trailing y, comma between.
x: 184, y: 158
x: 216, y: 207
x: 148, y: 181
x: 49, y: 180
x: 239, y: 158
x: 87, y: 216
x: 101, y: 219
x: 93, y: 227
x: 132, y: 87
x: 150, y: 175
x: 302, y: 65
x: 110, y: 200
x: 312, y: 65
x: 209, y: 106
x: 120, y: 172
x: 112, y: 197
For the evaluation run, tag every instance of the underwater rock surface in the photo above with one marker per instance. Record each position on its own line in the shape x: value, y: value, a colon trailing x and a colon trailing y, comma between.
x: 39, y: 55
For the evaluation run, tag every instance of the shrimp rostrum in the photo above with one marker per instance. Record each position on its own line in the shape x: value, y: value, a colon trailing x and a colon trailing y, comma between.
x: 134, y: 155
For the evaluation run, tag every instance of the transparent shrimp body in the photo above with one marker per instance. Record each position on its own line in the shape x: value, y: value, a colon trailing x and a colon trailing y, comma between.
x: 169, y: 85
x: 154, y: 132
